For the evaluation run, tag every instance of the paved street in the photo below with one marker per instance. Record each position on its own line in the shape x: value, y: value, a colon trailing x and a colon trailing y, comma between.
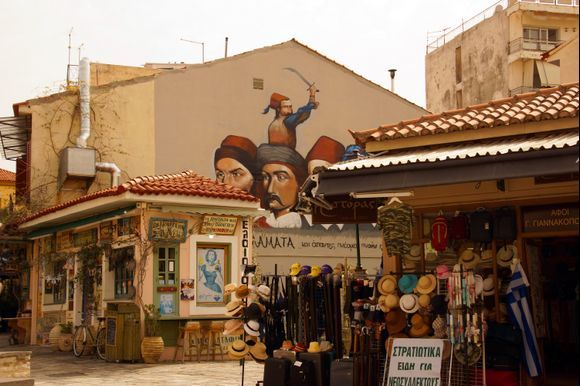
x: 63, y: 369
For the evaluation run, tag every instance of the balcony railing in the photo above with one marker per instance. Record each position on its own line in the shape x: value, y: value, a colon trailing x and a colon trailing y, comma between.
x: 521, y: 44
x: 438, y: 39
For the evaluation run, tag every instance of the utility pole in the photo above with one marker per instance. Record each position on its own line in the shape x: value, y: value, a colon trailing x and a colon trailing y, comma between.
x: 202, y: 47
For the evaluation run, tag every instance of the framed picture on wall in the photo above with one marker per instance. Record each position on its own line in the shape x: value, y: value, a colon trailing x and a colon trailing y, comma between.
x: 213, y: 272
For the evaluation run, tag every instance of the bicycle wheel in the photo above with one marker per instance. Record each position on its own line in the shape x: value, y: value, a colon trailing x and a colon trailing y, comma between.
x: 80, y: 341
x: 101, y: 344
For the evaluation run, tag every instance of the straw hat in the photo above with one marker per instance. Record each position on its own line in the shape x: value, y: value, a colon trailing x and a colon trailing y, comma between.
x: 424, y: 301
x: 295, y: 269
x: 487, y: 255
x: 258, y: 352
x: 252, y: 327
x: 238, y: 349
x: 233, y: 327
x: 426, y: 284
x: 388, y: 302
x: 506, y: 254
x: 230, y: 288
x: 469, y: 259
x: 418, y: 327
x: 478, y: 284
x: 439, y: 327
x: 442, y: 271
x: 326, y: 346
x: 242, y: 291
x: 263, y: 291
x: 234, y: 308
x: 387, y: 284
x: 396, y: 321
x: 314, y: 347
x: 488, y: 287
x: 409, y: 303
x: 414, y: 253
x: 407, y: 283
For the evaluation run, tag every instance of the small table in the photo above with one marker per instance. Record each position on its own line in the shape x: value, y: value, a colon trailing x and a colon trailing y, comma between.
x: 19, y: 329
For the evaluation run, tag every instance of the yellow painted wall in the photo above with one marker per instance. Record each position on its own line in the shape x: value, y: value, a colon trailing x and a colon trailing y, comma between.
x: 568, y: 57
x: 122, y: 117
x: 102, y: 74
x: 7, y: 189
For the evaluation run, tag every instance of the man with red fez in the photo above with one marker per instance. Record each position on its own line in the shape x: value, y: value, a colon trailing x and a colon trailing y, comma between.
x: 282, y: 130
x: 326, y: 151
x: 235, y: 163
x: 283, y: 173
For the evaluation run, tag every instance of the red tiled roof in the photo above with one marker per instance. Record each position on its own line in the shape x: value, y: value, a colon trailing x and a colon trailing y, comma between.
x: 545, y: 104
x: 7, y: 176
x: 186, y: 183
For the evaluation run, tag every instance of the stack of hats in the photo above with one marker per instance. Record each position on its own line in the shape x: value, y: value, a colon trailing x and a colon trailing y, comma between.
x: 419, y: 327
x: 238, y: 349
x: 257, y: 351
x: 233, y: 327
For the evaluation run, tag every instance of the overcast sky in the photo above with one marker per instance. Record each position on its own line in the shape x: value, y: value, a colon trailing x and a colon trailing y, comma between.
x: 367, y: 36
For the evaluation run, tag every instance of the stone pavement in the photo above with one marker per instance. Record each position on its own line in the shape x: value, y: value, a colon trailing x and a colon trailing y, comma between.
x: 63, y: 369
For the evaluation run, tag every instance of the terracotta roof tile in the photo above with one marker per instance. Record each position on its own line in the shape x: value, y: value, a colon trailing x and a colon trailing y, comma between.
x: 186, y: 183
x: 7, y: 176
x: 544, y: 104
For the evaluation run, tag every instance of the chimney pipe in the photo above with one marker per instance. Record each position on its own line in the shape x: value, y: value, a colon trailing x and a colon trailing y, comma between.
x: 392, y: 71
x: 226, y: 54
x: 85, y: 101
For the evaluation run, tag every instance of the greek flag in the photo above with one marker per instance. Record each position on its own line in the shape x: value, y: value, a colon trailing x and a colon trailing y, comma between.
x: 520, y: 314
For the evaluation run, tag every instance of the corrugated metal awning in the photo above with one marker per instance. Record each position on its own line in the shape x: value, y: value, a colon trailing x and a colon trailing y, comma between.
x: 465, y: 150
x: 14, y: 135
x: 524, y: 156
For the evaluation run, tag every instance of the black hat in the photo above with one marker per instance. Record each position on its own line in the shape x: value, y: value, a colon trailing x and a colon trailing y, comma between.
x: 439, y: 304
x: 252, y: 312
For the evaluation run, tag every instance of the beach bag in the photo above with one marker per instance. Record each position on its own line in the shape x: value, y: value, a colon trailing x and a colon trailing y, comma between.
x: 505, y: 224
x: 439, y: 233
x: 481, y: 226
x: 459, y: 227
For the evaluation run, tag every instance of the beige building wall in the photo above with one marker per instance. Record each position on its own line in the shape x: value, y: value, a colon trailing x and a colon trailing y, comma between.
x: 198, y: 107
x: 102, y: 74
x: 483, y: 67
x: 567, y: 57
x: 122, y: 117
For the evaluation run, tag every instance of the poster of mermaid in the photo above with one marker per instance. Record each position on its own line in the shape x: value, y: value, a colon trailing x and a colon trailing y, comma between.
x: 212, y: 273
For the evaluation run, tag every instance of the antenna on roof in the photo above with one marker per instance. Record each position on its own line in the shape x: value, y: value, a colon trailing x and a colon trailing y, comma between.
x: 81, y: 46
x: 68, y: 65
x: 202, y: 47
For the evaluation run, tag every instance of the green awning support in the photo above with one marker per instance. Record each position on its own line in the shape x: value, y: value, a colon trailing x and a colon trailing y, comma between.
x: 81, y: 222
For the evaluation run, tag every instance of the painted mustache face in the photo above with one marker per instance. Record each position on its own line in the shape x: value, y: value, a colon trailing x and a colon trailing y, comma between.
x: 273, y: 200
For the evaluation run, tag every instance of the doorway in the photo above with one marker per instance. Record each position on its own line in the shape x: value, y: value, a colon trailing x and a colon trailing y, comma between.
x: 558, y: 263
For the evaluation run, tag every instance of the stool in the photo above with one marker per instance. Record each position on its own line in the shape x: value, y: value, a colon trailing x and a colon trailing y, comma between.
x: 214, y: 340
x: 189, y: 339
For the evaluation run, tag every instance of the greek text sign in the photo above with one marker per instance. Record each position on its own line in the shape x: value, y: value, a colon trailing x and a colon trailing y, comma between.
x: 347, y: 211
x: 415, y: 362
x: 551, y: 218
x: 219, y: 225
x: 161, y: 229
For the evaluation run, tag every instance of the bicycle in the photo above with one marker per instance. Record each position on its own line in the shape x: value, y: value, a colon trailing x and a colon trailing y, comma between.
x: 82, y: 335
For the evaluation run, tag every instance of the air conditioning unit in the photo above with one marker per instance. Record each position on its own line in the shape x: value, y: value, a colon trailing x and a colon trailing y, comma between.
x: 77, y: 163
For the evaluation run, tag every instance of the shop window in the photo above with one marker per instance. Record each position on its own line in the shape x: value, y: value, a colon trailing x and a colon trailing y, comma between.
x: 123, y: 264
x: 55, y: 283
x: 167, y: 278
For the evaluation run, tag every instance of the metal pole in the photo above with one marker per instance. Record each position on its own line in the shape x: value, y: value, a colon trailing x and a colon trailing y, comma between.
x: 358, y: 264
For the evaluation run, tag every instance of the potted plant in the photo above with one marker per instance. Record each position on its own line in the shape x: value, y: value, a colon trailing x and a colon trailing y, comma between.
x: 66, y: 337
x: 152, y: 344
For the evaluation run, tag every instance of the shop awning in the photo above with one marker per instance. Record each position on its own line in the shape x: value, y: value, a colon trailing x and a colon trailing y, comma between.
x: 14, y: 135
x: 523, y: 156
x: 549, y: 73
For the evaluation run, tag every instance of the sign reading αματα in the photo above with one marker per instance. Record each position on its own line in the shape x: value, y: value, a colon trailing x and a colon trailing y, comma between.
x: 415, y: 362
x: 219, y: 225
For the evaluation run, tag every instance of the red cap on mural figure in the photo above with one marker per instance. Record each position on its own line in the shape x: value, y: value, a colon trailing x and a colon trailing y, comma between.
x: 242, y: 143
x: 239, y: 148
x: 275, y: 101
x: 326, y: 149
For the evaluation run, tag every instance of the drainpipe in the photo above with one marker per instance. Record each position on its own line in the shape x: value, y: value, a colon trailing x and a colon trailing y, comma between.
x: 85, y: 100
x: 392, y: 71
x: 112, y: 168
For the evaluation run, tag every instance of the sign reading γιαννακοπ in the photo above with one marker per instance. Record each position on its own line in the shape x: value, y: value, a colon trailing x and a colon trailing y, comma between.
x: 415, y: 362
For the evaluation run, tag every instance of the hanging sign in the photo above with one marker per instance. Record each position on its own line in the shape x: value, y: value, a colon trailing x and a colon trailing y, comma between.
x: 415, y: 362
x: 165, y: 229
x: 347, y: 211
x: 219, y: 225
x: 552, y: 218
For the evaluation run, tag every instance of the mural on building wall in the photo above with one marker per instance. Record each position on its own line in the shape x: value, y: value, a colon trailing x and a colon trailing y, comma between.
x: 274, y: 171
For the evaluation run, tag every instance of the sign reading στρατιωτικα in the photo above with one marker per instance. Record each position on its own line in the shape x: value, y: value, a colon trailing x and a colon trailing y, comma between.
x: 415, y: 362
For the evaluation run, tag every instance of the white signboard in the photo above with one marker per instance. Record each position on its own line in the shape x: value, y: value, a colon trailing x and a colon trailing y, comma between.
x: 415, y: 362
x: 316, y: 242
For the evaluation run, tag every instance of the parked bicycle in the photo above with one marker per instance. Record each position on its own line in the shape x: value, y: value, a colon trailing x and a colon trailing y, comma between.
x: 83, y: 338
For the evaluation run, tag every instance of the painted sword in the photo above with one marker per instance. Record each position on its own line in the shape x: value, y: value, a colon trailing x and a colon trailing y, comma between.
x: 295, y: 71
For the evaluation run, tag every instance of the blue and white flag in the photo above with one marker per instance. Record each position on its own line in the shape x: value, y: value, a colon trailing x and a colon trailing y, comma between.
x: 520, y: 314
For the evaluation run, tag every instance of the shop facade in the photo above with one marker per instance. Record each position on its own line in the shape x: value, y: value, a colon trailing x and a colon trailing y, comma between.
x: 173, y: 241
x: 516, y: 156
